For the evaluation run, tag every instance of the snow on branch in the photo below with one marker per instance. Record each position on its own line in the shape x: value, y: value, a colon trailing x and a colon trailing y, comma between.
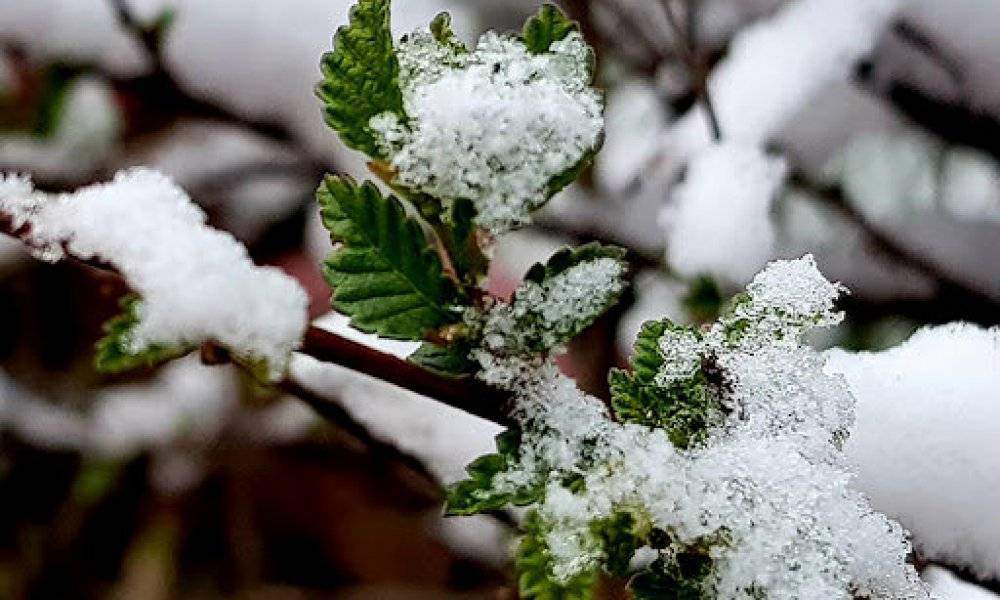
x: 925, y: 439
x: 196, y: 283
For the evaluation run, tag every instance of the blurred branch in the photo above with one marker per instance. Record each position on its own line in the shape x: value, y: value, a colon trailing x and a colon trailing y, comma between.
x: 953, y: 295
x: 696, y: 65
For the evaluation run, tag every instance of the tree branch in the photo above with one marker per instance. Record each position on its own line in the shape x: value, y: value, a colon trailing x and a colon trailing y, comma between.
x: 696, y: 66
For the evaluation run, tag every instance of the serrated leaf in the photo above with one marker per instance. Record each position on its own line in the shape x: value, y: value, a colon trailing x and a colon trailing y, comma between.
x: 115, y: 353
x: 447, y: 361
x: 685, y: 409
x: 620, y: 537
x: 548, y: 26
x: 361, y: 76
x: 534, y: 566
x: 385, y: 275
x: 441, y: 30
x: 537, y: 329
x: 477, y: 493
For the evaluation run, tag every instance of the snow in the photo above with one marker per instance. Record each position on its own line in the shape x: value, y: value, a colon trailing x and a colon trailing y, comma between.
x: 494, y: 125
x: 776, y: 65
x: 948, y: 587
x: 928, y: 419
x: 771, y: 477
x: 544, y: 314
x: 196, y: 283
x: 720, y: 223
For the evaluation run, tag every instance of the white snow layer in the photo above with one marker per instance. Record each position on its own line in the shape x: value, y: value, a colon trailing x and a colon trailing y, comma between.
x: 196, y: 283
x: 925, y: 441
x: 719, y: 222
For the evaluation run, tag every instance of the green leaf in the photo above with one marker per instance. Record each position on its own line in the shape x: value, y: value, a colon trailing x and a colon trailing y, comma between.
x: 682, y: 574
x: 537, y: 329
x: 703, y: 299
x: 447, y: 361
x: 620, y: 537
x: 477, y: 494
x: 459, y: 237
x: 534, y: 566
x: 385, y: 275
x: 443, y: 33
x: 685, y: 410
x: 548, y: 26
x: 114, y: 351
x: 361, y: 76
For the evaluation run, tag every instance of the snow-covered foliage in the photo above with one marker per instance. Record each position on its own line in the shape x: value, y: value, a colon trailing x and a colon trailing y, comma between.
x: 196, y: 284
x: 928, y: 415
x: 746, y: 479
x: 719, y: 222
x: 495, y: 125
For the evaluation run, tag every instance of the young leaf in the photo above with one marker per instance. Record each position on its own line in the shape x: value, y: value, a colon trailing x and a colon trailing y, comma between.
x: 477, y: 493
x: 115, y: 353
x: 534, y: 566
x: 447, y: 361
x: 685, y: 407
x: 548, y: 26
x: 385, y: 274
x: 443, y: 33
x: 561, y: 298
x: 459, y: 236
x: 361, y: 76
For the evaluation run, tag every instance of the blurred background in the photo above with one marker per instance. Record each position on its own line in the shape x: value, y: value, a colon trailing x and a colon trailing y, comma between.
x: 876, y: 124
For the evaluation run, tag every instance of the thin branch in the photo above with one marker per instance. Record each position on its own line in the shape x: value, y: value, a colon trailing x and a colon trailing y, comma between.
x: 697, y: 69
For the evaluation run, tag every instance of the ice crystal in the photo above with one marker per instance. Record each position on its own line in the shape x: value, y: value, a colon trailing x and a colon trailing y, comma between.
x: 767, y: 494
x: 196, y: 283
x: 494, y: 125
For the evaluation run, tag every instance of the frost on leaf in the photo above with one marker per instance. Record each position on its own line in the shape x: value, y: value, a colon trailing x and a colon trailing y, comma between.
x: 117, y: 351
x: 752, y: 501
x: 197, y: 284
x: 556, y: 302
x: 500, y: 126
x: 384, y: 273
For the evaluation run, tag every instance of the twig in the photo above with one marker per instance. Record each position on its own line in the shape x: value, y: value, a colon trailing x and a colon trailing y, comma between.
x: 695, y: 65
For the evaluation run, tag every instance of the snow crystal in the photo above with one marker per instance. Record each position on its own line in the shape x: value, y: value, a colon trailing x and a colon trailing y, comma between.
x: 928, y: 419
x: 720, y: 220
x: 494, y: 125
x: 770, y: 486
x: 196, y: 283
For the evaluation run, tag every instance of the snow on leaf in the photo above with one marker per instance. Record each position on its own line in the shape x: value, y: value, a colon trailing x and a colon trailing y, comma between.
x: 542, y: 30
x: 197, y: 284
x: 117, y: 351
x: 500, y: 126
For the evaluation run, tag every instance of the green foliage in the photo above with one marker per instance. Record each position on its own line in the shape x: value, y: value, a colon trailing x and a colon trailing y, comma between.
x: 684, y: 409
x: 534, y: 565
x: 114, y: 351
x: 703, y: 299
x: 361, y: 76
x: 459, y: 237
x: 620, y: 535
x: 536, y: 333
x: 443, y: 33
x: 446, y: 361
x: 548, y: 26
x: 477, y: 493
x: 684, y: 573
x: 385, y: 273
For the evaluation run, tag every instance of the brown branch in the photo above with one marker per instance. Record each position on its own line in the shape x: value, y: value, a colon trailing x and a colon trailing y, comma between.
x: 465, y: 394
